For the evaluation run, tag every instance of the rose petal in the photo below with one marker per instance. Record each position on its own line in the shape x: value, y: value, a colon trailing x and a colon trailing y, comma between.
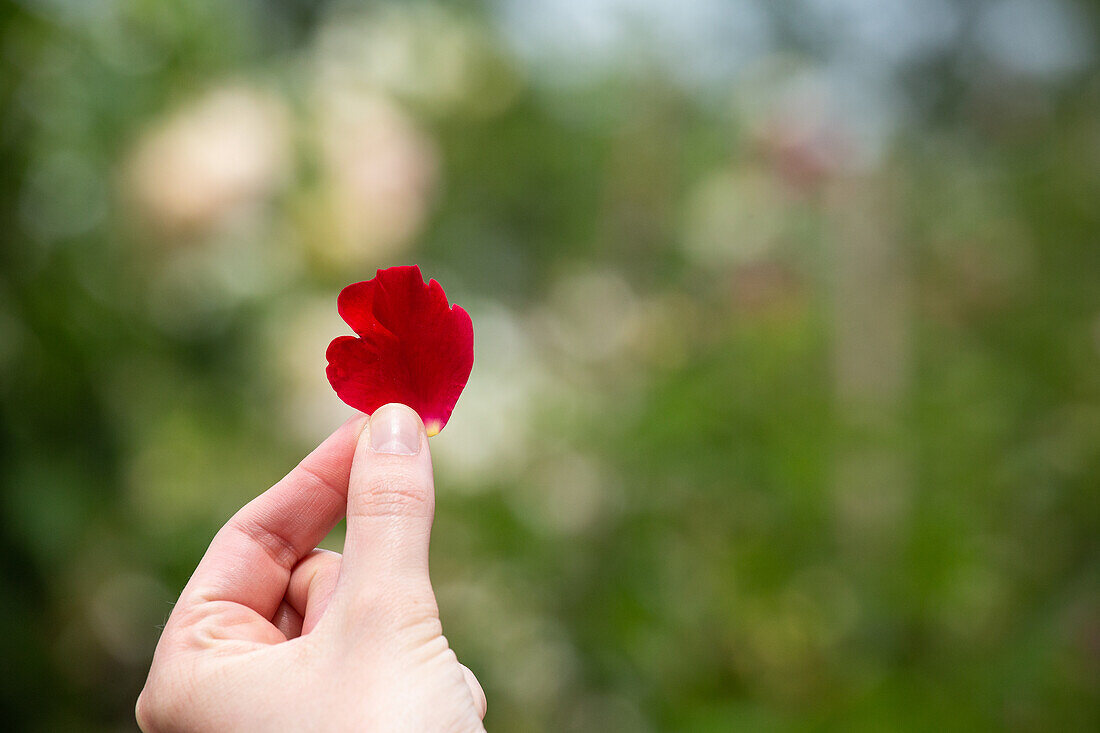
x: 412, y: 347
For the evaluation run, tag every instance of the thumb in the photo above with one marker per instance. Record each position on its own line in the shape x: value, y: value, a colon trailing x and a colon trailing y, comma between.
x: 391, y: 502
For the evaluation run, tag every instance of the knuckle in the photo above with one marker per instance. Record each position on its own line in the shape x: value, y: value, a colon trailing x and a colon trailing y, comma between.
x: 398, y: 494
x: 279, y: 547
x: 395, y: 610
x: 158, y: 708
x: 417, y: 623
x: 326, y: 575
x: 421, y: 637
x: 142, y: 714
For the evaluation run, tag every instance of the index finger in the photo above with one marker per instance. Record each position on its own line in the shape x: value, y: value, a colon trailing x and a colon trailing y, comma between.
x: 250, y: 559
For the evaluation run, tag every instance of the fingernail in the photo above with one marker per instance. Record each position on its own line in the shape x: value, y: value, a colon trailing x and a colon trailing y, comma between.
x: 395, y: 429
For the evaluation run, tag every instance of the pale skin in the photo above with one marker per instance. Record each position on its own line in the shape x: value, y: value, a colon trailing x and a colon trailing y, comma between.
x: 273, y: 634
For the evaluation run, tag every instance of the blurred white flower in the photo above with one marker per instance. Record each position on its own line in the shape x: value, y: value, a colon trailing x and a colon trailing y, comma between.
x: 381, y: 171
x: 567, y: 493
x: 490, y: 433
x: 195, y: 289
x: 837, y: 118
x: 297, y: 336
x: 592, y: 316
x: 803, y: 149
x: 421, y: 53
x: 734, y: 217
x: 222, y: 153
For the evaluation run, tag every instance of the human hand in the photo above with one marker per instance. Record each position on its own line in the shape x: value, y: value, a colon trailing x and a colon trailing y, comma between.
x: 272, y: 634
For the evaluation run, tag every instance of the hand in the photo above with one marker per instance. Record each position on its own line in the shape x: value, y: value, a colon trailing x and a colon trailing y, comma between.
x: 271, y: 634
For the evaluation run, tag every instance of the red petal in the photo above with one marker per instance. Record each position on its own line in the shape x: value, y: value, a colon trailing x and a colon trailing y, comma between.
x: 412, y: 347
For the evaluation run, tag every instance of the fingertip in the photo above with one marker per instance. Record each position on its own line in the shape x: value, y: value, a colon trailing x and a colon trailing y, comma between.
x: 356, y: 424
x: 287, y: 620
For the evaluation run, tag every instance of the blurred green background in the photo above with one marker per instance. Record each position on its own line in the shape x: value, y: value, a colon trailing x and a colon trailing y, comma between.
x: 785, y: 413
